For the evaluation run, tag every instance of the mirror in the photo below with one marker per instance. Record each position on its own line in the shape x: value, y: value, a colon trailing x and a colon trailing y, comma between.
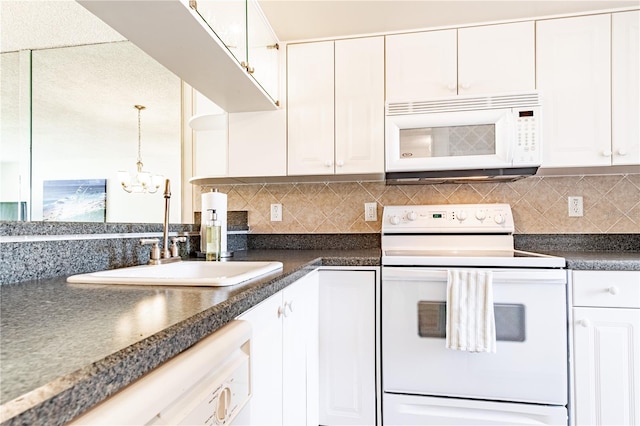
x: 69, y: 86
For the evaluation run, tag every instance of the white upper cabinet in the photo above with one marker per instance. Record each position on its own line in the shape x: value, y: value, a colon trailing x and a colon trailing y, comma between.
x: 359, y: 106
x: 310, y: 100
x: 477, y: 60
x: 625, y: 55
x: 574, y: 79
x: 209, y: 125
x: 258, y: 144
x: 421, y: 65
x: 496, y: 59
x: 335, y: 107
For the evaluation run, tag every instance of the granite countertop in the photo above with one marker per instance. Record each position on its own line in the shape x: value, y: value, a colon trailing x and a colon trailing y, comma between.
x: 600, y: 260
x: 65, y: 347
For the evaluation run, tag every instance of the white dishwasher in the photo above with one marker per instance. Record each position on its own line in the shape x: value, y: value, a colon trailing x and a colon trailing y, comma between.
x: 207, y: 384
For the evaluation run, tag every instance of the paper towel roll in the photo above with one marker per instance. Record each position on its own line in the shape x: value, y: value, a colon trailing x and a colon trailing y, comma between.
x: 217, y: 201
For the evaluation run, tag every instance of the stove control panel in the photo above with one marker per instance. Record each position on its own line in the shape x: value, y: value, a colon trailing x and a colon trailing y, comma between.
x: 448, y: 218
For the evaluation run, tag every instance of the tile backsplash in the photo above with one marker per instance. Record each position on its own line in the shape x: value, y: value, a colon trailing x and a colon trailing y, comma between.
x: 539, y: 204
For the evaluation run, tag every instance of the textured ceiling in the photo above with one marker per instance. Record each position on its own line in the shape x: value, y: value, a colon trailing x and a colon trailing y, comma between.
x: 44, y: 24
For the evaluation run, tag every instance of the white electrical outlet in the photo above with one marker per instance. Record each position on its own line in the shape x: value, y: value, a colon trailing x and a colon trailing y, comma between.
x: 370, y: 212
x: 276, y: 212
x: 575, y: 206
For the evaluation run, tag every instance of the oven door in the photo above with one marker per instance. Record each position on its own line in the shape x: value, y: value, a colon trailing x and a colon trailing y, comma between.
x: 530, y: 363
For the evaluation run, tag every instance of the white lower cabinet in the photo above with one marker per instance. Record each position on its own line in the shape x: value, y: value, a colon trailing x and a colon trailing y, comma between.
x: 606, y: 347
x: 284, y: 356
x: 348, y: 346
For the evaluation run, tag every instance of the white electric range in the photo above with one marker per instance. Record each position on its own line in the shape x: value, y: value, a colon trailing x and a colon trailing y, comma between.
x: 525, y: 380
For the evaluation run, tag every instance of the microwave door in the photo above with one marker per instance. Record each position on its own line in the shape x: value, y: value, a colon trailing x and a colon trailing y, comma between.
x: 449, y: 141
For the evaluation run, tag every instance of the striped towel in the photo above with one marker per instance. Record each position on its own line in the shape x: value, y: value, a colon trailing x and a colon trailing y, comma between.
x: 471, y: 323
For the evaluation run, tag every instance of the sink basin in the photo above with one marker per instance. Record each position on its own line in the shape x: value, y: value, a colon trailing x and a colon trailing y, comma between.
x: 195, y: 273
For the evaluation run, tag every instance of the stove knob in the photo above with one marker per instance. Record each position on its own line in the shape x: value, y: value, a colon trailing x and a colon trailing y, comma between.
x: 461, y: 215
x: 499, y: 219
x: 481, y: 215
x: 394, y: 220
x: 412, y: 216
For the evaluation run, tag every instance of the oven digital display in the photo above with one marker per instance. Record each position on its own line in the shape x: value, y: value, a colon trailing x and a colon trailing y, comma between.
x: 437, y: 215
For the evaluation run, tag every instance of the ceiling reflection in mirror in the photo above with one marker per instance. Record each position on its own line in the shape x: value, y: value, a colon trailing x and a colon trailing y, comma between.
x: 68, y: 96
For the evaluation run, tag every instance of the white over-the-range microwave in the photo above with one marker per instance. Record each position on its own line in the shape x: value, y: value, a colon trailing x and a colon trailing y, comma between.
x: 464, y: 138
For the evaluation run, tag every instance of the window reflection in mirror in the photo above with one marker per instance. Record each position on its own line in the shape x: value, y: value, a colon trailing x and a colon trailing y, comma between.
x: 79, y: 122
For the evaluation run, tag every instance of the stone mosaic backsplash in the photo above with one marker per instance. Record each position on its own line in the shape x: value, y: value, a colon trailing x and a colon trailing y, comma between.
x: 539, y: 204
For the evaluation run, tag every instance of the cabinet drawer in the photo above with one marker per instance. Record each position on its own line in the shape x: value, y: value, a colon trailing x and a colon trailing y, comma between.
x: 615, y: 289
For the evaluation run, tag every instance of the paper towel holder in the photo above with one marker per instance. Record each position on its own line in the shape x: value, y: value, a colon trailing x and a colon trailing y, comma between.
x: 224, y: 253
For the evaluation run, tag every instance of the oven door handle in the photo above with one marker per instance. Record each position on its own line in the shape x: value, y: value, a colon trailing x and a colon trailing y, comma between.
x: 513, y: 276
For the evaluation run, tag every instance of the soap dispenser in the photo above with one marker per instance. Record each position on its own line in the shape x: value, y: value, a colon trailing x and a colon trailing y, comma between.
x: 213, y: 236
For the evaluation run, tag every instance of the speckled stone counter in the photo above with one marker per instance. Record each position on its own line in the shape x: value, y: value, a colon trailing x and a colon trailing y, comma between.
x: 612, y: 252
x: 600, y: 260
x: 65, y: 347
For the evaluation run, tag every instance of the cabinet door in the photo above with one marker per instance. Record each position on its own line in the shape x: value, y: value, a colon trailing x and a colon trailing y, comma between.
x: 266, y: 361
x: 626, y: 88
x: 310, y: 112
x: 300, y: 345
x: 258, y: 144
x: 347, y: 348
x: 574, y: 78
x: 421, y: 65
x: 607, y: 370
x: 359, y: 106
x: 496, y: 58
x: 209, y: 143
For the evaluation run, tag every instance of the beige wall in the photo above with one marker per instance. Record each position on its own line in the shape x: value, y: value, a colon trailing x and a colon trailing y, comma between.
x: 539, y: 204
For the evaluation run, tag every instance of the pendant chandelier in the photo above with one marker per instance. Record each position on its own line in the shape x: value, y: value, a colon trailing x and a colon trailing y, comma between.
x: 142, y: 181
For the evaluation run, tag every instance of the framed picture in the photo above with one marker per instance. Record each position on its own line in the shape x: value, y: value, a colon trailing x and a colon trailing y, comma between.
x: 78, y: 200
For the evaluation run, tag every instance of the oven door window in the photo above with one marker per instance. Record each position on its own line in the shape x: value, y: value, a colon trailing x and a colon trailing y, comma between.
x: 510, y: 321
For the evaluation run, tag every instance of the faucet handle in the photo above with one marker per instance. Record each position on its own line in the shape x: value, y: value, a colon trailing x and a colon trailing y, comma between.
x: 155, y: 248
x: 174, y: 245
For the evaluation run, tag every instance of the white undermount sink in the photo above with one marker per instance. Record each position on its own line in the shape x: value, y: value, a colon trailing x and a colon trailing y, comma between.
x: 190, y: 273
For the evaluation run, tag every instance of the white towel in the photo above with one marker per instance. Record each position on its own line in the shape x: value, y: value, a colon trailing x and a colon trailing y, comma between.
x: 471, y: 323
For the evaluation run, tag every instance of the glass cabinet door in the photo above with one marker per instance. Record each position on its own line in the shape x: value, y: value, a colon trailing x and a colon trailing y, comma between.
x: 262, y: 50
x: 244, y: 30
x: 228, y: 20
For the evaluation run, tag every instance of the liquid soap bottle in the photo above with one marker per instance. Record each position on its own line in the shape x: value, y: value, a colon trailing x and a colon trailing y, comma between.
x: 213, y: 236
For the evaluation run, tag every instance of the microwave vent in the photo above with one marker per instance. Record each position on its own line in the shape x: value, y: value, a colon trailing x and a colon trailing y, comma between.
x: 464, y: 103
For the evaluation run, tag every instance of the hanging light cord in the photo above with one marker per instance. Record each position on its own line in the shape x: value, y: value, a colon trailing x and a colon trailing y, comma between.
x: 139, y: 163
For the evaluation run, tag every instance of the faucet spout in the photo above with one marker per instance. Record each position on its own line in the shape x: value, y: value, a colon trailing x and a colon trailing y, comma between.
x: 166, y: 253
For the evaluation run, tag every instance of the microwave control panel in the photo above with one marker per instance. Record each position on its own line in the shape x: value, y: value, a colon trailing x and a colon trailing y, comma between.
x: 526, y: 150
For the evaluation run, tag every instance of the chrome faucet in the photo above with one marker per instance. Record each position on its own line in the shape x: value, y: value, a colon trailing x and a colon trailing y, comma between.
x: 168, y: 253
x: 165, y: 225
